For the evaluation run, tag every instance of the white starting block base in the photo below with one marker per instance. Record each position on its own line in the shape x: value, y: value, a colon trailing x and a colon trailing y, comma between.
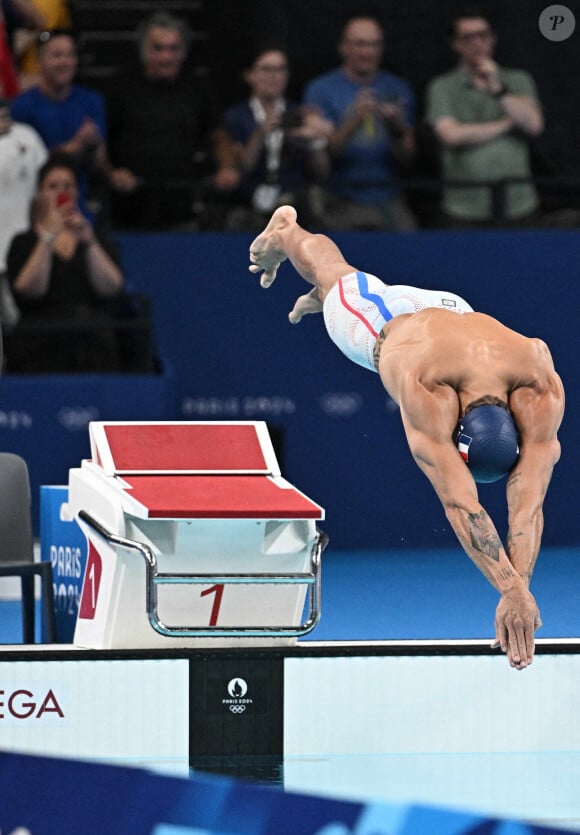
x: 118, y: 577
x: 188, y: 557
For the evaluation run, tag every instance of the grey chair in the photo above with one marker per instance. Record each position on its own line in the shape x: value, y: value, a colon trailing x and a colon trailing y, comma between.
x: 17, y: 546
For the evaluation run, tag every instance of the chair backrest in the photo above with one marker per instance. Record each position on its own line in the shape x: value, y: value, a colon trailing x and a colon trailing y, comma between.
x: 16, y: 540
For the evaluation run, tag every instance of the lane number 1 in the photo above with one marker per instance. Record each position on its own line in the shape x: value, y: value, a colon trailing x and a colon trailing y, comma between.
x: 218, y: 590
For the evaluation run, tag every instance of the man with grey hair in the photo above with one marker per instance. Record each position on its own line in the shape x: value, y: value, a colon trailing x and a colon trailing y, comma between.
x: 165, y: 134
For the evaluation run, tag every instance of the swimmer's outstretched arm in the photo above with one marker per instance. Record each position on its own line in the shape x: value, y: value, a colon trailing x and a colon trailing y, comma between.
x: 538, y: 415
x: 517, y: 616
x: 526, y: 490
x: 428, y: 421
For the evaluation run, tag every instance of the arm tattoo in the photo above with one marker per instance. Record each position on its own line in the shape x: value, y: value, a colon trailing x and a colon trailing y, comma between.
x: 377, y: 349
x: 483, y: 537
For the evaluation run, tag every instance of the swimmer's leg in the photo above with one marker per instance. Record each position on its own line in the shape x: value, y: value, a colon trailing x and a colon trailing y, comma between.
x: 315, y: 257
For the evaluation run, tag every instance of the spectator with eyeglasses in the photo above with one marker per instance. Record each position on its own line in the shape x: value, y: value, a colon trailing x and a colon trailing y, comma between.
x: 372, y: 144
x: 280, y: 146
x: 484, y: 116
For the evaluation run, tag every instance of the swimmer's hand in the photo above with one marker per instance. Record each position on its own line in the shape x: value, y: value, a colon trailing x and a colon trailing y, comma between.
x: 309, y: 303
x: 516, y: 619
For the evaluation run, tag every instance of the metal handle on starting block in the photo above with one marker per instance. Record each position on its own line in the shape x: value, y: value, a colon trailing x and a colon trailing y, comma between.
x: 155, y: 579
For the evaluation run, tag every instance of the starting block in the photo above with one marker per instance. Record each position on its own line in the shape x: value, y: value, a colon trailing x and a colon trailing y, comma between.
x: 194, y: 538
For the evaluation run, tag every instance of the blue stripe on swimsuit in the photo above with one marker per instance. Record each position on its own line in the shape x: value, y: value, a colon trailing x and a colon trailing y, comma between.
x: 363, y: 287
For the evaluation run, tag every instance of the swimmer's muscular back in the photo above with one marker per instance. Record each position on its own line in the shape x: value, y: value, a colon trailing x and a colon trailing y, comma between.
x: 468, y: 354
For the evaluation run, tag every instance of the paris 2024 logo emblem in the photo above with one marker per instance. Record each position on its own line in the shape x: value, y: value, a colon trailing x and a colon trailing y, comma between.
x: 237, y: 700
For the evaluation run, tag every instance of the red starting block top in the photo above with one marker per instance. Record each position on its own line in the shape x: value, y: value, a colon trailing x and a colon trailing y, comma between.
x: 220, y: 497
x: 182, y: 447
x: 197, y: 470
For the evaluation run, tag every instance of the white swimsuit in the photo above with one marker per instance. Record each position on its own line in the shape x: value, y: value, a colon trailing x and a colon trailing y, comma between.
x: 359, y: 305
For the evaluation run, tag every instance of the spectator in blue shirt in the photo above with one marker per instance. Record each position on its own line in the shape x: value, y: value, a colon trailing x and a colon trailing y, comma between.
x: 373, y: 140
x: 69, y: 118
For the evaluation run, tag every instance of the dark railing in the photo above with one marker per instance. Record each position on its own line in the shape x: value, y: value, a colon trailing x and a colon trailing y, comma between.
x: 129, y: 318
x: 565, y: 189
x: 555, y: 190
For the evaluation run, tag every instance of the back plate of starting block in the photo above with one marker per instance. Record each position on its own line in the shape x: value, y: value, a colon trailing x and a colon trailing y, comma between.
x: 180, y: 447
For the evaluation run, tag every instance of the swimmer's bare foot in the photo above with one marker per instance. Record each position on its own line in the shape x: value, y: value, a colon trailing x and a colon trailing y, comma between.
x: 309, y: 303
x: 265, y: 251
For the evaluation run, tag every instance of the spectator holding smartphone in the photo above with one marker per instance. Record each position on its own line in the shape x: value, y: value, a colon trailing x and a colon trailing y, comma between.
x: 60, y: 272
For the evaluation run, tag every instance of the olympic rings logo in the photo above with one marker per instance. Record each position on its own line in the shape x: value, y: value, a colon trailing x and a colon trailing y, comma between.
x: 237, y: 708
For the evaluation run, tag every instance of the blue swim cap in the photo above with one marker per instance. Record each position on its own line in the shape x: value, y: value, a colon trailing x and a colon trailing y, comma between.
x: 487, y: 440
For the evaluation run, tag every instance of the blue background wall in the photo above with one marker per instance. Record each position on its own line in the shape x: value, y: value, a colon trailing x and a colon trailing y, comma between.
x: 233, y: 354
